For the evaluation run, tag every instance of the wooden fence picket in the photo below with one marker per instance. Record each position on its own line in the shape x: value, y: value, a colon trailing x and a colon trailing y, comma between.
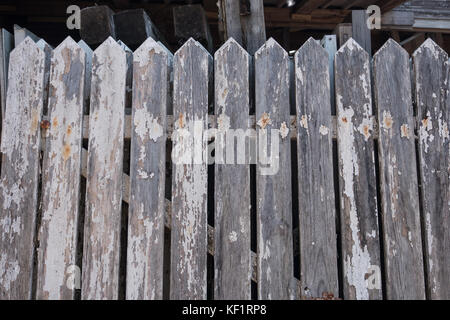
x: 357, y: 180
x: 147, y: 172
x: 432, y: 78
x: 317, y: 207
x: 61, y: 174
x: 192, y: 67
x: 6, y: 45
x: 398, y: 174
x: 101, y: 252
x: 21, y: 141
x: 87, y: 75
x: 232, y: 263
x: 273, y: 185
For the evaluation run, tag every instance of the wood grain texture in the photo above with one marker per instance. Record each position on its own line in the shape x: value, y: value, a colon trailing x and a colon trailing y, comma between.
x: 398, y: 175
x: 232, y: 274
x: 101, y: 252
x: 317, y: 209
x: 61, y: 173
x: 357, y: 182
x: 6, y: 45
x: 432, y: 84
x: 87, y: 75
x: 273, y: 176
x: 147, y: 172
x: 192, y: 68
x: 253, y: 27
x: 360, y: 32
x: 329, y: 43
x: 20, y: 169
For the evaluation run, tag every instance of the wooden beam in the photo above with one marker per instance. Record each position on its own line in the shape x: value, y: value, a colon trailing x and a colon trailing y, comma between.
x: 360, y: 32
x: 97, y: 24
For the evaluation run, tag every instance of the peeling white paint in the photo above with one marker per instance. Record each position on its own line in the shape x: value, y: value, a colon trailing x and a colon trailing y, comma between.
x: 146, y: 125
x: 284, y: 130
x: 324, y: 130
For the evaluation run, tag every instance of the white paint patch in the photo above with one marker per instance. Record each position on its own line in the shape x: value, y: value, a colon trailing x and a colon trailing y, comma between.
x: 284, y: 130
x: 145, y: 125
x: 425, y: 136
x: 264, y: 121
x: 232, y: 236
x: 324, y: 130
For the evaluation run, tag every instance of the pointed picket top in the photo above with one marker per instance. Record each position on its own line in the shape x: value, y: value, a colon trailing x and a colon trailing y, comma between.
x: 351, y: 45
x: 273, y: 45
x: 191, y: 43
x: 391, y: 46
x: 142, y: 54
x: 309, y: 47
x: 432, y: 47
x: 43, y: 45
x: 25, y: 45
x: 109, y: 45
x: 230, y: 43
x: 67, y: 43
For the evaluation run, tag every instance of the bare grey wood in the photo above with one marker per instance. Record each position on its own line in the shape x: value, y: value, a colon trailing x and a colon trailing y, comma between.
x: 6, y: 45
x: 61, y: 174
x: 20, y: 169
x: 253, y: 27
x: 97, y: 24
x: 432, y: 79
x: 192, y: 68
x: 403, y: 259
x: 343, y: 32
x: 273, y: 176
x: 147, y: 173
x: 21, y: 33
x: 129, y: 76
x: 102, y: 224
x: 329, y: 43
x: 357, y: 183
x: 247, y: 28
x: 232, y: 274
x: 360, y: 32
x: 87, y: 74
x: 317, y: 211
x: 48, y: 56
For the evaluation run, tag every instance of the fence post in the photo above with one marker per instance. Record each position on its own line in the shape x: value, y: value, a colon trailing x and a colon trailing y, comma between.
x: 273, y: 184
x: 232, y: 261
x: 432, y: 77
x: 192, y: 68
x: 357, y: 180
x: 104, y: 182
x: 21, y: 142
x: 147, y: 172
x: 318, y: 257
x: 61, y: 173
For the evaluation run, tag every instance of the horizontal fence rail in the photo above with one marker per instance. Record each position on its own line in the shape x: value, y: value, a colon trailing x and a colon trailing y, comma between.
x: 147, y: 175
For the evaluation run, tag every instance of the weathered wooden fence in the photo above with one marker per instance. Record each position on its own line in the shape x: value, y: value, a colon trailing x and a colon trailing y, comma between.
x: 93, y: 207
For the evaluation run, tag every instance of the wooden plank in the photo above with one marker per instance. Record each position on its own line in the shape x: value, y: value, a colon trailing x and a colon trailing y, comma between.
x: 229, y: 20
x: 20, y: 169
x: 432, y: 78
x: 87, y: 74
x: 48, y: 56
x: 61, y: 174
x: 253, y: 27
x: 317, y: 210
x: 190, y: 21
x: 97, y: 24
x: 273, y: 175
x: 102, y: 225
x: 147, y: 173
x: 329, y: 43
x: 358, y: 196
x: 6, y: 45
x: 129, y: 76
x: 232, y: 175
x: 192, y: 68
x: 360, y: 32
x: 398, y: 175
x: 21, y: 33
